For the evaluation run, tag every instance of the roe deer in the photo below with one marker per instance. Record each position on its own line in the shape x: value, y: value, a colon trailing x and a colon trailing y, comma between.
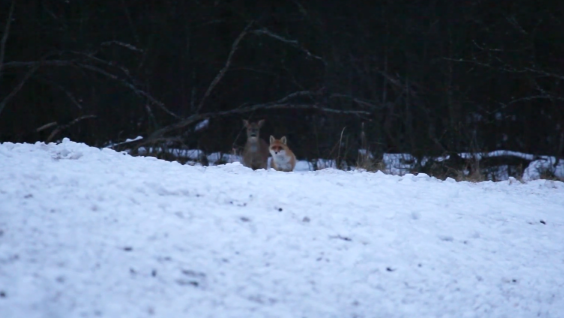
x: 255, y: 155
x: 283, y: 159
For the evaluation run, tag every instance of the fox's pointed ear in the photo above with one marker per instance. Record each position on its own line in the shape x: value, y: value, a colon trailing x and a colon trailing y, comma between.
x: 272, y: 139
x: 283, y: 140
x: 245, y: 122
x: 260, y: 123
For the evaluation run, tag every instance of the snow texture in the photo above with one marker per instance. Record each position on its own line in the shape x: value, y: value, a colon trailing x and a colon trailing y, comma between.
x: 201, y: 125
x: 544, y: 165
x: 88, y: 232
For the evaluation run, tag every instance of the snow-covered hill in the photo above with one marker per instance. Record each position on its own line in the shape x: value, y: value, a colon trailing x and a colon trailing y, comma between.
x: 95, y: 233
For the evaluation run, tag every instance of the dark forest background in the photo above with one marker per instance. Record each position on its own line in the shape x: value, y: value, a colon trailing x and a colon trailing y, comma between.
x: 427, y: 78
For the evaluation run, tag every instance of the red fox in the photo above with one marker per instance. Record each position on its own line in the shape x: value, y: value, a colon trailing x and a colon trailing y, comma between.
x: 255, y: 155
x: 283, y: 159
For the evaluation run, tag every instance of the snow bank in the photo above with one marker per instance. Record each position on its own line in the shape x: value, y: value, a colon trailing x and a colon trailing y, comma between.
x: 393, y: 163
x: 545, y: 165
x: 86, y: 232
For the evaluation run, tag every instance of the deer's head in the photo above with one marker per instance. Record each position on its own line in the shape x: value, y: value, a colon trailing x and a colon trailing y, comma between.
x: 253, y: 129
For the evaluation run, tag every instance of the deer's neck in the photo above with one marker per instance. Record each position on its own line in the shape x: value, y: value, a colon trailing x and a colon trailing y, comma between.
x: 253, y: 144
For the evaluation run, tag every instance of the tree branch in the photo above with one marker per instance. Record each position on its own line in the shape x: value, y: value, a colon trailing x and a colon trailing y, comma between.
x: 5, y: 36
x: 357, y: 100
x: 123, y: 44
x: 507, y: 68
x: 18, y: 87
x: 108, y: 64
x: 39, y: 63
x: 294, y: 43
x: 534, y: 97
x: 544, y: 73
x: 63, y: 127
x: 69, y: 95
x: 283, y: 103
x: 129, y: 85
x: 222, y: 72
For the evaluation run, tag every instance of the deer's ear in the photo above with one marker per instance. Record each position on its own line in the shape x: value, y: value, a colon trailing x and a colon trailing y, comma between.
x: 271, y: 139
x: 283, y: 140
x: 245, y: 122
x: 260, y: 123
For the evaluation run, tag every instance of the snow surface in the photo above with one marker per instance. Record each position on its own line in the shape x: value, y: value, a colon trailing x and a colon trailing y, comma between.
x: 203, y: 124
x: 545, y: 164
x: 88, y: 232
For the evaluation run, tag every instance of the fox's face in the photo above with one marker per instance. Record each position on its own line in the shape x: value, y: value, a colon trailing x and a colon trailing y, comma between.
x: 283, y: 159
x: 253, y: 129
x: 278, y: 146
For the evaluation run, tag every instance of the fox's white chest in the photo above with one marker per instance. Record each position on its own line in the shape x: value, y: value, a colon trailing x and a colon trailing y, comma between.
x: 283, y: 162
